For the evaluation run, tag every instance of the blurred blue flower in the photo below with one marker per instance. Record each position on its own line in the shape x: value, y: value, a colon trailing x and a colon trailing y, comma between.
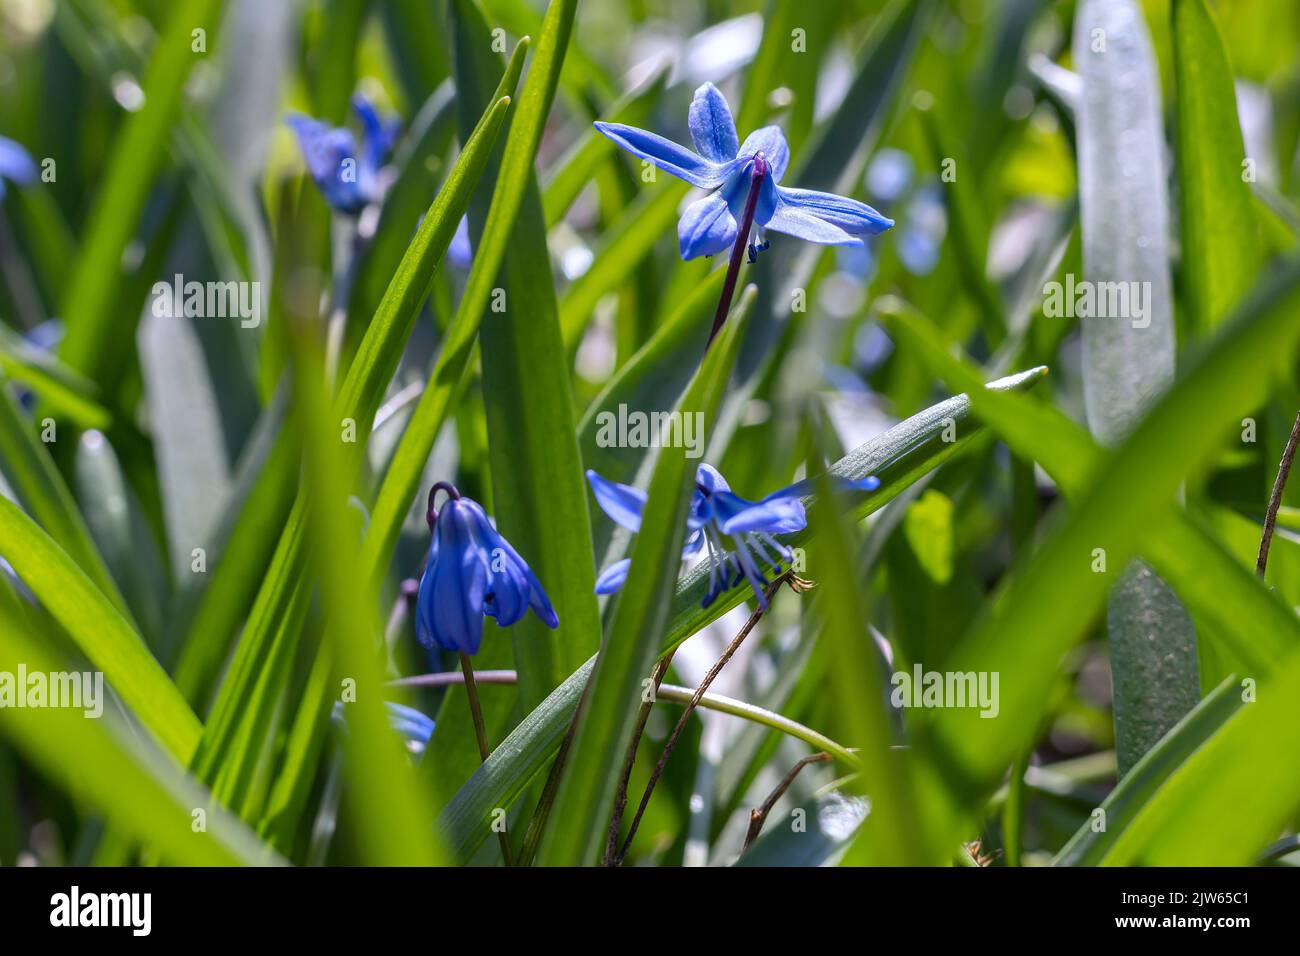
x: 411, y: 725
x: 920, y: 242
x: 724, y: 165
x: 346, y: 176
x: 461, y: 251
x: 716, y: 515
x: 16, y: 165
x: 889, y: 175
x: 472, y: 572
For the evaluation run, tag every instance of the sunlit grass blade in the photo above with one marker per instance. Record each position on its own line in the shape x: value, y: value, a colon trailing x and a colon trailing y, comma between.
x: 99, y: 629
x: 1220, y: 235
x: 1051, y: 597
x: 579, y: 821
x: 105, y: 767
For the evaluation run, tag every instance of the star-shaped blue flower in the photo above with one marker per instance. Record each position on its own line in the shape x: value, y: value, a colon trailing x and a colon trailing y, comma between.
x: 472, y: 572
x: 724, y: 165
x: 16, y: 165
x: 718, y: 516
x: 347, y: 177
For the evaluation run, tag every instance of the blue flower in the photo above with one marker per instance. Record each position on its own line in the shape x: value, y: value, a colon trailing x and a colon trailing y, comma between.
x: 413, y: 726
x: 472, y: 572
x: 718, y: 516
x: 723, y: 165
x: 348, y: 178
x: 16, y: 165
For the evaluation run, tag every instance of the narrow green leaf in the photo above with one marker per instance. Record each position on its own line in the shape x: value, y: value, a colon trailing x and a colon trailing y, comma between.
x: 99, y: 629
x: 1128, y: 359
x: 579, y: 821
x: 1054, y: 593
x: 137, y: 154
x: 1220, y: 246
x: 1089, y: 845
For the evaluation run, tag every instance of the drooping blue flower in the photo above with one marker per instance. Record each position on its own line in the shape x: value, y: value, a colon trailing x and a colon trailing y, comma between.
x: 347, y: 177
x: 717, y: 518
x: 16, y: 165
x: 724, y: 165
x: 472, y: 572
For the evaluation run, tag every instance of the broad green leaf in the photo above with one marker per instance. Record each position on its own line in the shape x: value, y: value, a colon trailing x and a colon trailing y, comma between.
x: 899, y: 458
x: 70, y: 394
x: 579, y: 821
x: 1220, y: 246
x: 928, y: 528
x: 1128, y: 358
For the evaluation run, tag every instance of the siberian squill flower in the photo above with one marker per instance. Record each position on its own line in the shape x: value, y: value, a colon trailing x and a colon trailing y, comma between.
x: 348, y: 177
x: 716, y: 519
x: 16, y: 165
x: 472, y: 572
x: 725, y: 166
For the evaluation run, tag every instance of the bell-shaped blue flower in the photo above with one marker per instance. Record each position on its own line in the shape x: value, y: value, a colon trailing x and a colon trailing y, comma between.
x: 738, y: 533
x: 16, y: 165
x: 724, y: 165
x: 472, y: 572
x: 348, y: 177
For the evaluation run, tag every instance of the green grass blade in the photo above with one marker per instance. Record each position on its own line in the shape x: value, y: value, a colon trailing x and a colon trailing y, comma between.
x: 1128, y: 359
x: 41, y: 488
x: 898, y: 458
x: 100, y: 630
x: 1220, y: 246
x: 1054, y: 593
x: 579, y: 821
x: 137, y: 154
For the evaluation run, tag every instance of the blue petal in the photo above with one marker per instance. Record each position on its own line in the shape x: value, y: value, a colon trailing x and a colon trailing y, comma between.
x: 612, y: 578
x: 780, y: 516
x: 802, y: 489
x: 325, y: 150
x: 804, y: 225
x: 410, y: 723
x: 769, y: 141
x: 458, y: 582
x: 623, y: 503
x: 694, y: 542
x: 379, y: 135
x: 713, y: 131
x: 514, y: 586
x: 668, y: 156
x: 706, y: 228
x: 16, y: 164
x: 855, y: 218
x: 461, y: 251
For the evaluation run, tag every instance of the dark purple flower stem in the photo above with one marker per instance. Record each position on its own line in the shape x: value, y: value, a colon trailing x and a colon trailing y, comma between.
x: 738, y: 250
x: 431, y: 514
x: 480, y: 734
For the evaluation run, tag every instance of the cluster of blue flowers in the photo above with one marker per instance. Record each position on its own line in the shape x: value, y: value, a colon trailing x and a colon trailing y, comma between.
x: 472, y: 572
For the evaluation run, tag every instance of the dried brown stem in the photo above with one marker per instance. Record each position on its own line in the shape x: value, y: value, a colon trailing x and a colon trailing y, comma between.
x: 759, y: 815
x: 1275, y: 499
